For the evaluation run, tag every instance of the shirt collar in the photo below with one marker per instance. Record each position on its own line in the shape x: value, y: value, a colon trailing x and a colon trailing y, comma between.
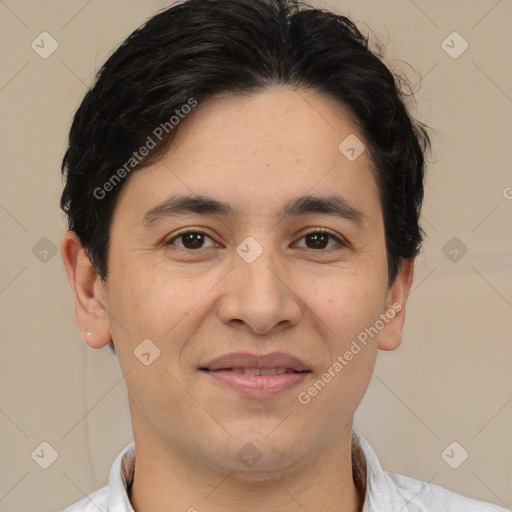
x: 380, y: 493
x: 121, y: 477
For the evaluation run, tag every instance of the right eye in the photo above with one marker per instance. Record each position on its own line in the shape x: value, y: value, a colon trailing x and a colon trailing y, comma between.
x: 191, y: 240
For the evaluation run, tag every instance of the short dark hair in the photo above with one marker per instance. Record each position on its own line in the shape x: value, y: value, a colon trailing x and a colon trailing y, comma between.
x: 200, y: 48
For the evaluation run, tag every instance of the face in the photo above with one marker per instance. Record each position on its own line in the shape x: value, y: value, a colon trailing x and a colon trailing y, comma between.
x: 265, y: 273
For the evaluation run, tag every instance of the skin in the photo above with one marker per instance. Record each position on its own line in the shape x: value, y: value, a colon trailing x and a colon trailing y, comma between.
x: 256, y: 153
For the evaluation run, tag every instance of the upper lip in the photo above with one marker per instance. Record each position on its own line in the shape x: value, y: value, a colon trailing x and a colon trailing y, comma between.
x: 247, y: 360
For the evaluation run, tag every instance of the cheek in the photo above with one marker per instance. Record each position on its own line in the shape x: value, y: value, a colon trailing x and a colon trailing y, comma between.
x: 349, y: 308
x: 160, y: 309
x: 346, y: 306
x: 162, y: 304
x: 145, y: 305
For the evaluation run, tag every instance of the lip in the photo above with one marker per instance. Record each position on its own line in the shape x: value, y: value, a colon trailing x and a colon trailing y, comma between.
x: 248, y: 360
x: 256, y: 386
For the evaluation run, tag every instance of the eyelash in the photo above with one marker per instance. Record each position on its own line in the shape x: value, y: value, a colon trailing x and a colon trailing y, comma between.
x: 339, y: 240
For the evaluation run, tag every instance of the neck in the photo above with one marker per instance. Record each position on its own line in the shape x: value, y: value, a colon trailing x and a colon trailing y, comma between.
x: 166, y: 479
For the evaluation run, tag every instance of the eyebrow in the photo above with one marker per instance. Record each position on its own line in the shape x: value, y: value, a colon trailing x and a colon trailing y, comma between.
x: 203, y: 205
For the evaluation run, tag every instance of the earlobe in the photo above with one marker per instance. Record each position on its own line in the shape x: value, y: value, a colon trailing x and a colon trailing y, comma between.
x: 88, y: 289
x: 391, y: 336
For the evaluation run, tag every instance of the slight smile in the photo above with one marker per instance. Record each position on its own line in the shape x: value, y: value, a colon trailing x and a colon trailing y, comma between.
x: 257, y: 376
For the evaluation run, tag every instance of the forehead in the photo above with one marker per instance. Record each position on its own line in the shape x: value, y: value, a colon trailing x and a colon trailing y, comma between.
x: 261, y: 150
x: 279, y: 116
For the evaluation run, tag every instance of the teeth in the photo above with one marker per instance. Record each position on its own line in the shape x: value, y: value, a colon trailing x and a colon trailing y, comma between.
x: 260, y: 371
x: 252, y: 371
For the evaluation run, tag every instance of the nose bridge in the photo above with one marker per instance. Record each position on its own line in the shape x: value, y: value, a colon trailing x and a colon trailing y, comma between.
x: 257, y: 295
x: 257, y: 265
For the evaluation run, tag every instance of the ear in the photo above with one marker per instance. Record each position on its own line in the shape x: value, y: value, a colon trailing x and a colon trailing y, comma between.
x: 91, y: 314
x: 391, y: 335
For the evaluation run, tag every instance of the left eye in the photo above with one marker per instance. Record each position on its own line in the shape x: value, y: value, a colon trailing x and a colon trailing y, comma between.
x: 320, y: 240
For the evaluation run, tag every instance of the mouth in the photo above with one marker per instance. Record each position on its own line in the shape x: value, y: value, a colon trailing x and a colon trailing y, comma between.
x: 256, y: 371
x: 243, y: 361
x: 257, y: 376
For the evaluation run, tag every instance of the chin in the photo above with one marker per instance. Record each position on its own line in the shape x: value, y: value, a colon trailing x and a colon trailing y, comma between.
x: 259, y: 459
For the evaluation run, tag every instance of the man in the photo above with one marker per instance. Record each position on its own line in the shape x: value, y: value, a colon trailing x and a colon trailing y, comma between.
x: 243, y: 191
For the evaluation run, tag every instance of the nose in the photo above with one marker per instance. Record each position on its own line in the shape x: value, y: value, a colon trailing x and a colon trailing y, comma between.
x: 260, y: 296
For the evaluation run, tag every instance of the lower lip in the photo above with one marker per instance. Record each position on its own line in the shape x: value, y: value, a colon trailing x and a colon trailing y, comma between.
x: 258, y: 386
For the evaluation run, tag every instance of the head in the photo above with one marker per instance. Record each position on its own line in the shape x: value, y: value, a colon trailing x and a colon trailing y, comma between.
x: 293, y: 140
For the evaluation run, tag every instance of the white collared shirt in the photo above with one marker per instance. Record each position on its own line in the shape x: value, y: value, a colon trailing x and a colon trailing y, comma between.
x: 385, y: 492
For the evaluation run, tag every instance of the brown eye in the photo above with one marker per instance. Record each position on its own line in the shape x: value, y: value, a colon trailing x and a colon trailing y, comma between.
x: 190, y: 240
x: 320, y: 240
x: 317, y: 240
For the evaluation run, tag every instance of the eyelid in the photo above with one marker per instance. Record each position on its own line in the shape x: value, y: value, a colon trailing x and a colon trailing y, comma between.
x: 169, y: 241
x: 339, y: 239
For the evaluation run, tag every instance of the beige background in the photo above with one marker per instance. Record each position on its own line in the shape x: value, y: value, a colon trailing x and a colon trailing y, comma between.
x: 451, y: 378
